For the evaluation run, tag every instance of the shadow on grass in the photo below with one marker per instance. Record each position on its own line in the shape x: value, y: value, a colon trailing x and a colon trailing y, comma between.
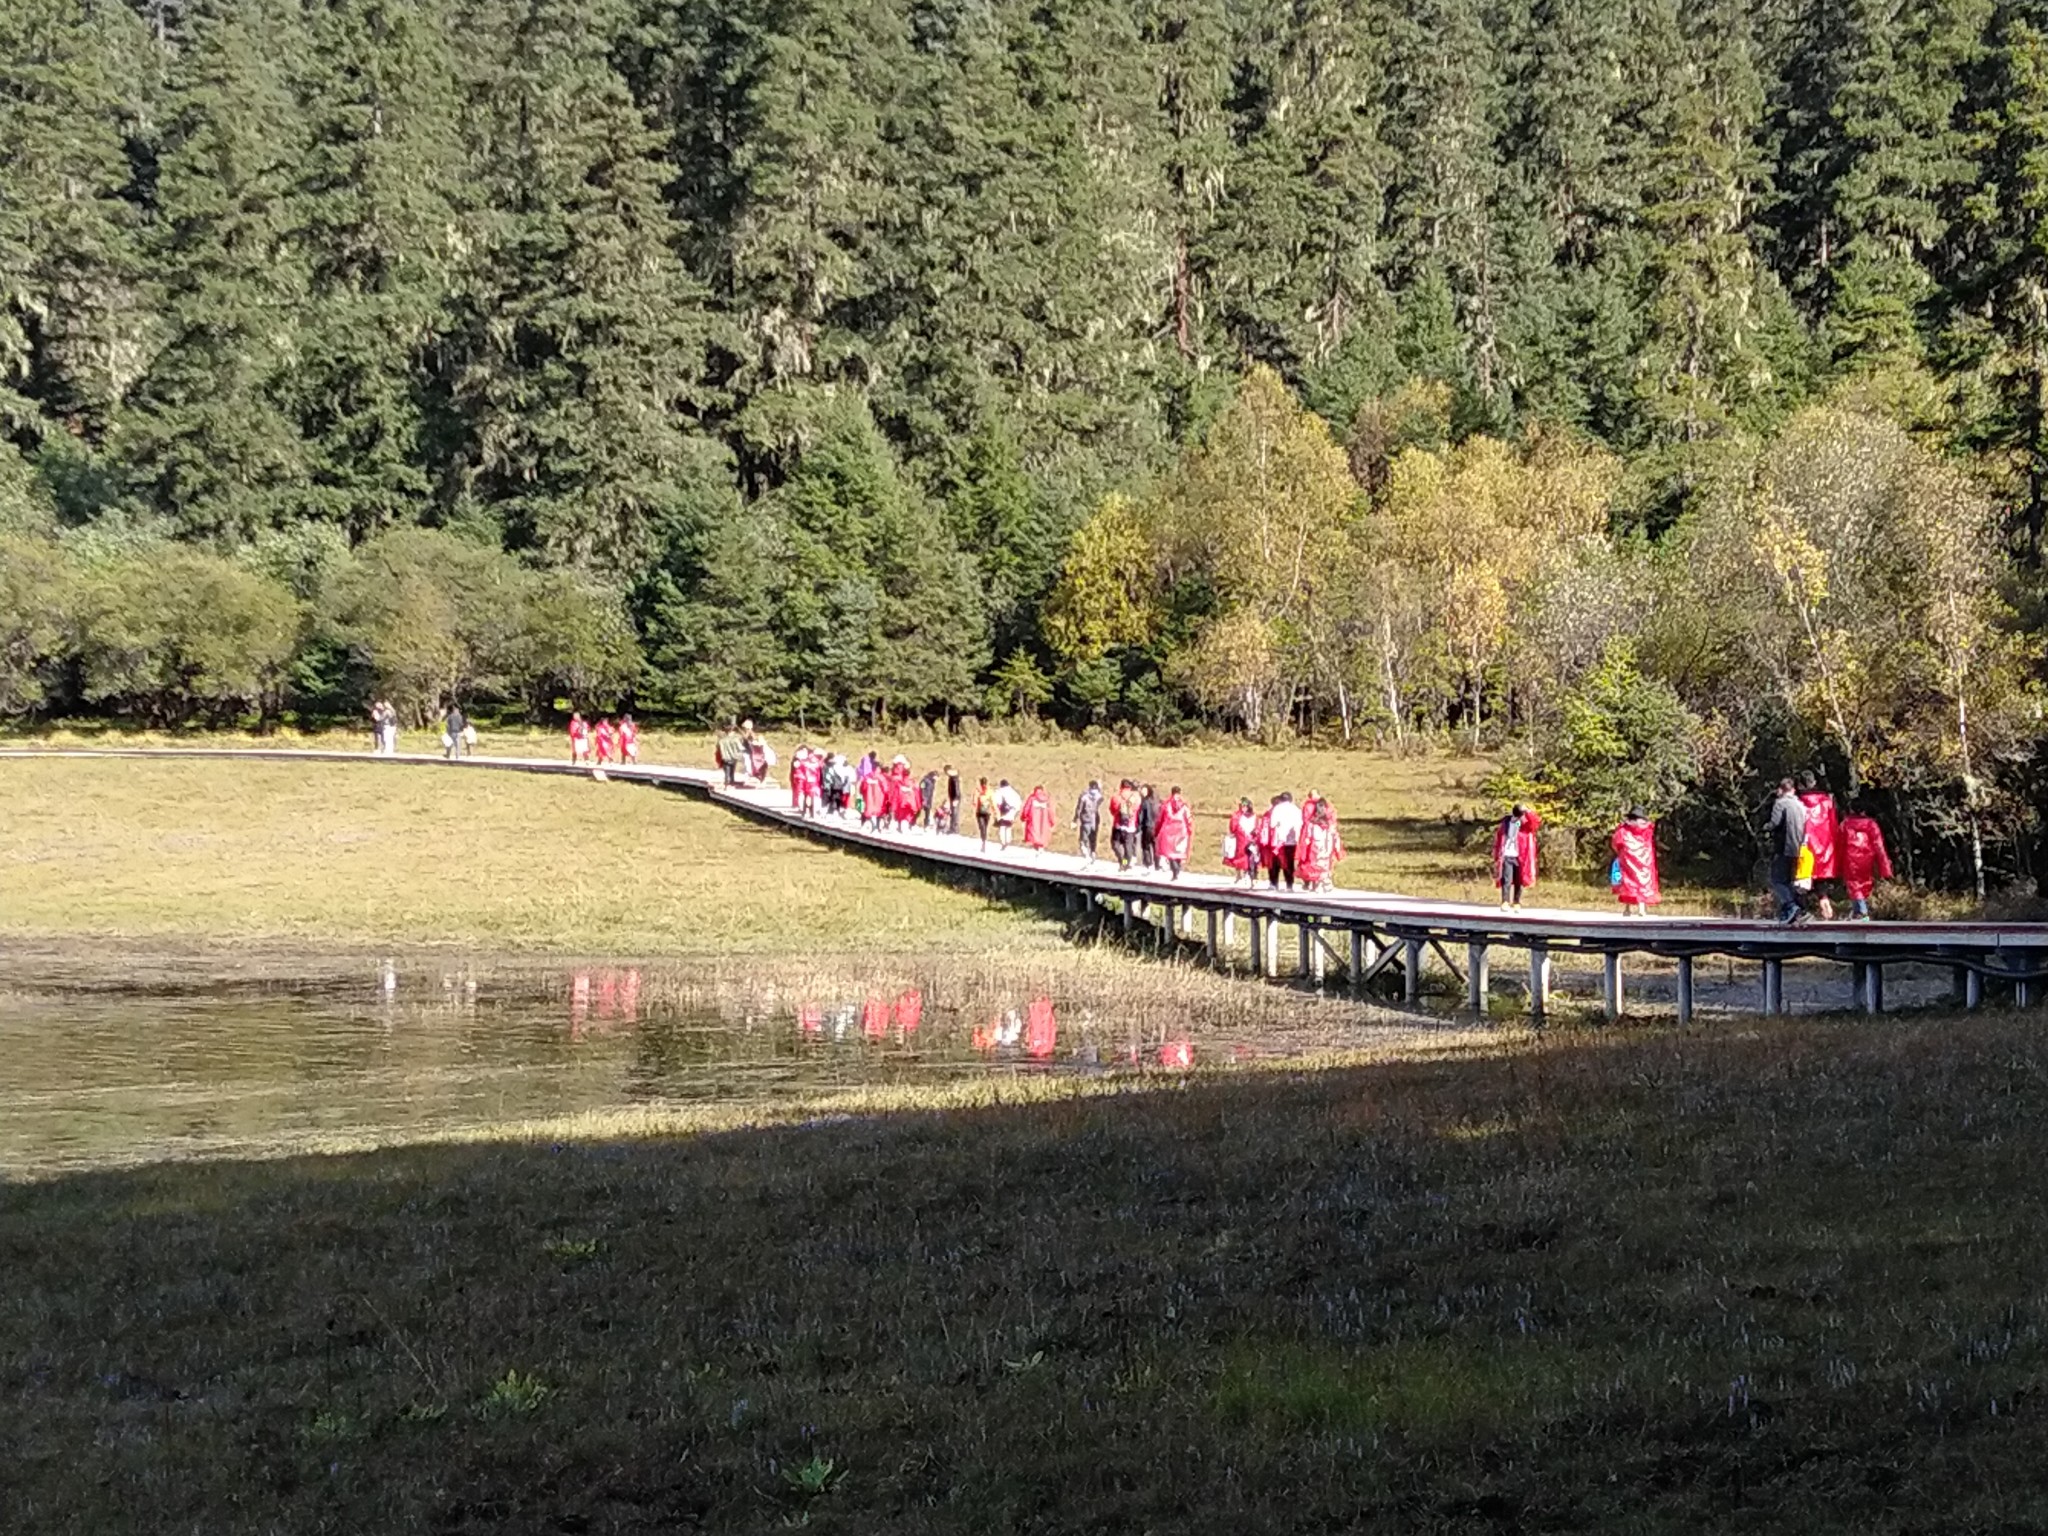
x: 1787, y: 1280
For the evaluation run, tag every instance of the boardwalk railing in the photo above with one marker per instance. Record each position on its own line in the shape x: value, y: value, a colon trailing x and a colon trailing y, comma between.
x: 1350, y: 936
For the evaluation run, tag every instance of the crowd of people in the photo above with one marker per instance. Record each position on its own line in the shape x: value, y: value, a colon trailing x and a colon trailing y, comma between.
x: 1815, y: 843
x: 1288, y: 844
x: 603, y: 741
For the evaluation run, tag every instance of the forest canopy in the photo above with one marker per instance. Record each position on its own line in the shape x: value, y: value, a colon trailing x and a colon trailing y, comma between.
x: 1653, y: 393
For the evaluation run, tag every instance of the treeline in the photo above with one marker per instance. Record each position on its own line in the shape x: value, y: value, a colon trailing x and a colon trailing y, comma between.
x: 1635, y: 383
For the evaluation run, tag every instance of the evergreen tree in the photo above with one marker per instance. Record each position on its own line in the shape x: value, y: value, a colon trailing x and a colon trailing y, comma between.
x: 377, y: 220
x: 70, y: 320
x: 211, y: 440
x: 581, y: 336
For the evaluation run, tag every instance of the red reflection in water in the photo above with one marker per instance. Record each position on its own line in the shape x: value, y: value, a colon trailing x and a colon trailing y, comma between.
x: 909, y: 1013
x: 810, y: 1020
x: 617, y: 1001
x: 1041, y: 1029
x: 1177, y: 1055
x: 874, y: 1018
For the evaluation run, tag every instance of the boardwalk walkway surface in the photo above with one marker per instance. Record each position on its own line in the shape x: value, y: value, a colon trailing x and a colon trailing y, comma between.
x: 1350, y: 935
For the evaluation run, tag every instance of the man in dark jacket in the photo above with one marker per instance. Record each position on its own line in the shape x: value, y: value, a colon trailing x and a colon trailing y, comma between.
x: 1148, y: 828
x: 1088, y: 817
x: 1786, y: 836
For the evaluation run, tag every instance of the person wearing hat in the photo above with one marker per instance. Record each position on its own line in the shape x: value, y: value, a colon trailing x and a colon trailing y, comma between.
x: 1634, y: 872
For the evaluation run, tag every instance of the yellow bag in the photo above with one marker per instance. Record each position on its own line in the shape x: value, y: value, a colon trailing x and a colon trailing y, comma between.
x: 1802, y: 869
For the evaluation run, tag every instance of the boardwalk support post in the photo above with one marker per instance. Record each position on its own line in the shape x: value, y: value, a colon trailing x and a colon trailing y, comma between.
x: 1307, y: 964
x: 1685, y: 989
x: 1272, y: 946
x: 1871, y: 993
x: 1258, y: 944
x: 1477, y: 965
x: 1611, y: 985
x: 1539, y: 981
x: 1211, y: 946
x: 1411, y: 970
x: 1354, y: 969
x: 1973, y: 987
x: 1774, y: 987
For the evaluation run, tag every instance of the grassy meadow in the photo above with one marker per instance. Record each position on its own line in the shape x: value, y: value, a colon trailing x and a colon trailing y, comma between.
x: 365, y: 853
x: 1786, y: 1280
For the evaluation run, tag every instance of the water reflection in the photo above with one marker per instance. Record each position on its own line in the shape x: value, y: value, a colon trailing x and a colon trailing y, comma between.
x: 112, y: 1061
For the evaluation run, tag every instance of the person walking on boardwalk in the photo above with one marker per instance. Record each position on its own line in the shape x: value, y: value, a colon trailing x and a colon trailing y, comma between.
x: 455, y: 732
x: 732, y: 750
x: 606, y: 739
x: 1785, y: 836
x: 984, y: 811
x: 1320, y: 847
x: 1862, y: 858
x: 1635, y: 863
x: 873, y: 795
x: 1241, y: 844
x: 928, y: 799
x: 1285, y: 833
x: 1265, y: 852
x: 1148, y: 829
x: 579, y: 738
x: 1176, y: 832
x: 629, y: 740
x: 952, y: 798
x: 1822, y: 825
x: 908, y: 801
x: 760, y: 757
x: 1037, y: 819
x: 1514, y: 854
x: 1123, y: 824
x: 838, y: 784
x: 1008, y: 804
x: 1088, y: 818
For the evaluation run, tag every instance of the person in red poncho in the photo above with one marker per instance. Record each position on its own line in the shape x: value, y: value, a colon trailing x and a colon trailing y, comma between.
x: 1514, y: 854
x: 1822, y: 823
x: 1037, y: 819
x: 607, y: 740
x: 873, y: 797
x: 1635, y: 863
x: 579, y: 738
x: 1176, y: 831
x: 1320, y: 847
x: 1861, y: 855
x: 909, y: 799
x: 629, y: 740
x: 1241, y: 843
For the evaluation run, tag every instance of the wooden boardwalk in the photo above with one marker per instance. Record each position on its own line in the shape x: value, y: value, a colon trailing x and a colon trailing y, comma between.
x: 1344, y: 937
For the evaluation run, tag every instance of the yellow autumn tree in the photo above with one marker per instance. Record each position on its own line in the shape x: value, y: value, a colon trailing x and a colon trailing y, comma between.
x: 1261, y: 513
x: 1474, y: 525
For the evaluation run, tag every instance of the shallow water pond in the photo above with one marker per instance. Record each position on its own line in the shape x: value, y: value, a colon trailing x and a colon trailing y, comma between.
x: 109, y: 1059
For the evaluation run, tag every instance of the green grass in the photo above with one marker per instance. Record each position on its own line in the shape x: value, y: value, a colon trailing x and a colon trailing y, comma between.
x: 1785, y: 1280
x: 285, y: 853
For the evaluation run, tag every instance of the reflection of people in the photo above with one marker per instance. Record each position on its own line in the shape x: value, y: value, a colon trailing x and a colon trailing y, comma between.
x: 1041, y: 1029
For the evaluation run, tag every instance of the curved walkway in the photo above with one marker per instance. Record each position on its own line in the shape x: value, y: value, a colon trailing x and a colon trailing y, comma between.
x: 1357, y: 933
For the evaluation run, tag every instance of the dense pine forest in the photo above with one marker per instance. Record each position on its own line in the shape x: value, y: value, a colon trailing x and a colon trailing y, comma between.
x: 1653, y: 393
